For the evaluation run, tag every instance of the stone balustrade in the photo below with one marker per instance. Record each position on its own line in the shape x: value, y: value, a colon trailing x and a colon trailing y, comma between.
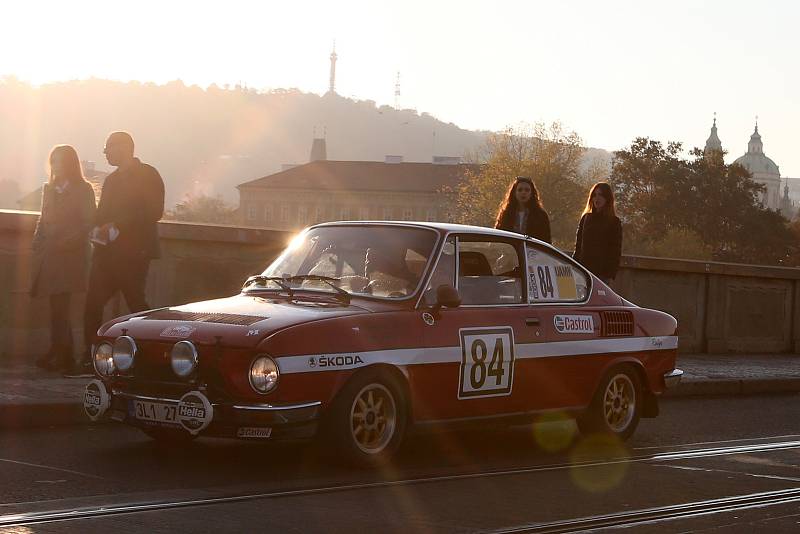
x: 720, y: 307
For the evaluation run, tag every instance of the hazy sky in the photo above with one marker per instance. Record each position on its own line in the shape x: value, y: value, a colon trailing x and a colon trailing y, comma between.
x: 609, y: 70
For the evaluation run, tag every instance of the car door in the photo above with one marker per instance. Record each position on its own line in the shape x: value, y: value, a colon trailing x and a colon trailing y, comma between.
x: 558, y: 370
x: 472, y: 347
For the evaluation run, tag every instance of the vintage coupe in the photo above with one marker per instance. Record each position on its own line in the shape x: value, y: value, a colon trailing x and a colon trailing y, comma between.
x: 359, y: 331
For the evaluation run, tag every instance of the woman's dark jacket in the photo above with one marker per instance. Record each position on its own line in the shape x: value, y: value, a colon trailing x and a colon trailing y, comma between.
x: 61, y: 240
x: 538, y: 223
x: 598, y: 244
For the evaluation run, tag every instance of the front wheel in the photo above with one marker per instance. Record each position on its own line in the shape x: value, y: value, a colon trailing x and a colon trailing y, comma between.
x: 368, y: 419
x: 616, y: 407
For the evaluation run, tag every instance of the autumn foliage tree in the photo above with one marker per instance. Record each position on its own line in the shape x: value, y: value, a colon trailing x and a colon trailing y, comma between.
x: 549, y: 155
x: 661, y: 194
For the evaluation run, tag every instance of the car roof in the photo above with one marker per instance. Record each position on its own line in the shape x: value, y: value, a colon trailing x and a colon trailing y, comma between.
x: 440, y: 226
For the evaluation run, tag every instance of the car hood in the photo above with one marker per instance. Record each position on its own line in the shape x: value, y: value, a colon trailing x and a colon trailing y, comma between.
x: 239, y: 321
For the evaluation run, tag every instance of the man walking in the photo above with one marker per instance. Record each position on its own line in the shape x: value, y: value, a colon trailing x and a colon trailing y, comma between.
x: 125, y: 236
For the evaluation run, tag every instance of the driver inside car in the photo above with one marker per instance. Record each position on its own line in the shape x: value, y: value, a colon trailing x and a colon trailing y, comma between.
x: 385, y: 274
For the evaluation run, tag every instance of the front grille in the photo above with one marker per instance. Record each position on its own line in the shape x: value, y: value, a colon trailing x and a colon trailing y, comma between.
x: 153, y: 362
x: 152, y: 370
x: 219, y: 318
x: 616, y: 323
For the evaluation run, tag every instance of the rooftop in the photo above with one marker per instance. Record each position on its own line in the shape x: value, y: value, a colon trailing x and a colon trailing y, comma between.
x: 365, y: 176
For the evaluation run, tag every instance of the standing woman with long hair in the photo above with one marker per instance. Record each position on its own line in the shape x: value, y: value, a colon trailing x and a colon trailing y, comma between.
x: 61, y: 249
x: 598, y: 242
x: 522, y: 211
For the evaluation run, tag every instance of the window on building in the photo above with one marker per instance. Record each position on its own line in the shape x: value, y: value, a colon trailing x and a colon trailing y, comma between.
x: 431, y: 215
x: 268, y: 213
x: 319, y: 214
x: 344, y: 213
x: 284, y: 214
x: 386, y: 213
x: 252, y: 211
x: 408, y: 214
x: 363, y: 213
x: 302, y: 214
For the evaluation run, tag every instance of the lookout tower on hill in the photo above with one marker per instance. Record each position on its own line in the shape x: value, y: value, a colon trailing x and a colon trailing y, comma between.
x: 332, y: 86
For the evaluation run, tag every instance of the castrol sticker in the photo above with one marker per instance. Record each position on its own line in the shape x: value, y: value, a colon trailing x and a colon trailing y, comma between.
x: 574, y: 324
x: 195, y: 412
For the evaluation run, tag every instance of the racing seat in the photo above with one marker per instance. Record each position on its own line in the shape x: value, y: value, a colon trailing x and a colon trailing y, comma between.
x: 472, y: 263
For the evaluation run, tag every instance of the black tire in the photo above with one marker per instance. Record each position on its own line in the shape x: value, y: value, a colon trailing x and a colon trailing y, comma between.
x: 368, y: 418
x: 168, y: 436
x: 616, y: 407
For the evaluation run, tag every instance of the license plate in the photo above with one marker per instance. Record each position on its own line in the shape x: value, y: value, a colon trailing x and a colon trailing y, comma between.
x: 160, y: 412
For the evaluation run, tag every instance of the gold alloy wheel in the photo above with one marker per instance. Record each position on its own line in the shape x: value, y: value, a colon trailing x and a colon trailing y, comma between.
x: 373, y: 418
x: 619, y: 403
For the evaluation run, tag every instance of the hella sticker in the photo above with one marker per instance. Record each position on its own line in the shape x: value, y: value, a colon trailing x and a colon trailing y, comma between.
x: 574, y: 324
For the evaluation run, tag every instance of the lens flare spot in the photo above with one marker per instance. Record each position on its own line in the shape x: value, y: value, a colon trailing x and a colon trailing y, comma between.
x: 610, y: 455
x: 554, y: 431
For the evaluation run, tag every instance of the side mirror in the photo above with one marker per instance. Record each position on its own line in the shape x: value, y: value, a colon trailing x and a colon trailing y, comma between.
x: 447, y: 296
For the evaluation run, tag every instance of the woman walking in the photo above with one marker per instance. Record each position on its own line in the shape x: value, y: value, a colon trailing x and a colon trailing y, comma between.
x: 522, y: 211
x: 61, y: 249
x: 598, y: 242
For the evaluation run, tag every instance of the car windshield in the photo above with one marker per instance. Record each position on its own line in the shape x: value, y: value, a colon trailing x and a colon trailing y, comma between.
x: 383, y: 261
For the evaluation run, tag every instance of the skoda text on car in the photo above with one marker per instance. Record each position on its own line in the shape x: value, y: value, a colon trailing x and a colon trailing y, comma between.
x: 359, y: 331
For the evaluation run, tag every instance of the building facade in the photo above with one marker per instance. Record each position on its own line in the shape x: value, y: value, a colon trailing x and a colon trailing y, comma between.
x: 322, y: 191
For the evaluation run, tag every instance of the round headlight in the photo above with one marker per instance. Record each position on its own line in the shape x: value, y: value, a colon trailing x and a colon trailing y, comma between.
x: 184, y: 358
x: 264, y: 374
x: 124, y: 352
x: 104, y: 359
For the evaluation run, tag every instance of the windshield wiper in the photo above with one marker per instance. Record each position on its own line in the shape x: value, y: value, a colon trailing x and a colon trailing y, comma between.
x: 278, y: 281
x: 345, y: 296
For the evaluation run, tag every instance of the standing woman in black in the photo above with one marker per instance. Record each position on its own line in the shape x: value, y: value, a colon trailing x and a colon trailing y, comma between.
x: 61, y: 249
x: 598, y: 243
x: 522, y: 211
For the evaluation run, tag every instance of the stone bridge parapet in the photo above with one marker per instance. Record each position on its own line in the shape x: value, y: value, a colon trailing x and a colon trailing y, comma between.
x: 721, y: 307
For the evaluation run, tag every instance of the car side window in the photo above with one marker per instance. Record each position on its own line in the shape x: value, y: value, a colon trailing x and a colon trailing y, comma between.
x: 489, y: 272
x: 444, y: 272
x: 552, y: 278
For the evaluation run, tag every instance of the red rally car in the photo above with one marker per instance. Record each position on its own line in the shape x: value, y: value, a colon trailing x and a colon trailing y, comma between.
x: 360, y: 330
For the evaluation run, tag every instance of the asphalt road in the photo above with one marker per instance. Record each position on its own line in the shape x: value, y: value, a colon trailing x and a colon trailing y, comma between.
x: 523, y: 479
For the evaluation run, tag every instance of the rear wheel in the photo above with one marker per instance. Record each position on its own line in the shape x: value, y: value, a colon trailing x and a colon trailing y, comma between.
x: 616, y: 407
x: 368, y: 419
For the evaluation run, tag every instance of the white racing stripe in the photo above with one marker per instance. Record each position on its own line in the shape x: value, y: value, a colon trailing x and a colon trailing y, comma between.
x: 313, y: 363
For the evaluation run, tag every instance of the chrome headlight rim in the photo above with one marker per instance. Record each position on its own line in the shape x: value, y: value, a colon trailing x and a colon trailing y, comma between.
x: 107, y: 368
x: 121, y: 363
x: 193, y: 358
x: 271, y: 388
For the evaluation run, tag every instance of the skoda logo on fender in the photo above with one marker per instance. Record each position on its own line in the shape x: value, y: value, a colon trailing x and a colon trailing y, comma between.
x: 339, y: 361
x: 574, y: 324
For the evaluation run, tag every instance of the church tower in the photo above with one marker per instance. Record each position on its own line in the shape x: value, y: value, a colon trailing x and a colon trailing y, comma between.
x: 713, y: 144
x: 763, y: 169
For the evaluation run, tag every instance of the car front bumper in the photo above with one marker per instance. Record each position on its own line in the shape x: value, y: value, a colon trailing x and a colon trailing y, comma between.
x: 673, y: 378
x: 195, y: 414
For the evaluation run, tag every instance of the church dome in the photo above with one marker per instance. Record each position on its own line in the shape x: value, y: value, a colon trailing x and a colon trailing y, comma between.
x: 755, y: 161
x: 758, y: 163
